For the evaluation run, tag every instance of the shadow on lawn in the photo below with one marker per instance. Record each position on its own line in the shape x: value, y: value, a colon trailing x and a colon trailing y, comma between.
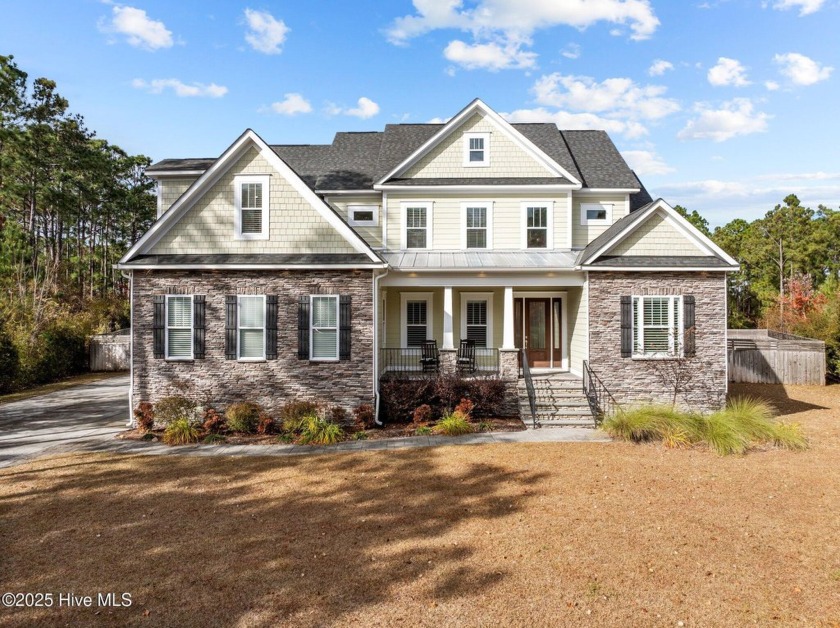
x: 774, y: 394
x: 256, y: 541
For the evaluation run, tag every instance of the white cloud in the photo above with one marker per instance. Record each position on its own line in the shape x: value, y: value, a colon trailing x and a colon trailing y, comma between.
x: 183, y: 90
x: 806, y: 7
x: 138, y: 28
x: 659, y: 67
x: 265, y: 33
x: 578, y: 121
x: 645, y: 162
x: 492, y: 56
x: 291, y: 105
x: 572, y: 51
x: 733, y: 118
x: 728, y: 72
x: 365, y: 108
x: 771, y: 86
x: 802, y: 70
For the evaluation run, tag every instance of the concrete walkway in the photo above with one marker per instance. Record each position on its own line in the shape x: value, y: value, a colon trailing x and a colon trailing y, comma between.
x: 86, y: 418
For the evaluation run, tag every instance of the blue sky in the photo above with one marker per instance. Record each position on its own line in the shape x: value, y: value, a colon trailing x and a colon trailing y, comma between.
x: 724, y: 106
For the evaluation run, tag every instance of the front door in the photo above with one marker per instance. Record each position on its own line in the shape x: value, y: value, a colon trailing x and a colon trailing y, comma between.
x: 537, y: 341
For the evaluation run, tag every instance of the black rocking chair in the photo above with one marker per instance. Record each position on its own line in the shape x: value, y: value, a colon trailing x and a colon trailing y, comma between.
x: 466, y: 357
x: 430, y: 360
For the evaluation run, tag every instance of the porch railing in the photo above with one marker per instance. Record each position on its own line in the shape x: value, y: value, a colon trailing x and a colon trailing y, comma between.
x: 529, y: 387
x: 601, y: 402
x: 407, y: 360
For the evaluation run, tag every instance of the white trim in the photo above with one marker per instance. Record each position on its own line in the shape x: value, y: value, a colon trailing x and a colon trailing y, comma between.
x: 476, y: 188
x: 385, y: 210
x: 488, y: 209
x: 404, y: 205
x: 462, y: 116
x: 344, y: 192
x: 132, y: 328
x: 485, y: 149
x: 166, y: 329
x: 174, y: 174
x: 675, y: 347
x: 626, y: 205
x: 239, y: 298
x: 405, y: 297
x: 312, y: 357
x: 652, y: 269
x: 565, y: 347
x: 608, y: 191
x: 354, y: 207
x: 586, y: 207
x: 463, y: 280
x: 238, y: 181
x: 365, y: 266
x: 159, y: 194
x: 478, y: 296
x: 549, y: 236
x: 570, y: 221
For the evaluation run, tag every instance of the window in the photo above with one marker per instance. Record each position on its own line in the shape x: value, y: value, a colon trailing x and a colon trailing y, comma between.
x: 476, y: 149
x: 363, y: 215
x: 657, y: 325
x: 417, y: 218
x: 477, y: 317
x: 596, y: 213
x: 416, y: 318
x: 251, y: 206
x: 251, y: 327
x: 476, y: 224
x: 179, y: 327
x: 324, y: 328
x: 537, y: 230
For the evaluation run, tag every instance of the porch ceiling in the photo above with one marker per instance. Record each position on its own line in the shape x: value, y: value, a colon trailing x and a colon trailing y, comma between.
x: 481, y: 260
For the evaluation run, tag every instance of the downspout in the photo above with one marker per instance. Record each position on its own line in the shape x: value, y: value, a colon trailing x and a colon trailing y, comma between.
x: 130, y: 277
x: 376, y: 279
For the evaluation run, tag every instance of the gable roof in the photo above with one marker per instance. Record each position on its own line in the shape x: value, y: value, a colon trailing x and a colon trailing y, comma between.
x: 220, y: 166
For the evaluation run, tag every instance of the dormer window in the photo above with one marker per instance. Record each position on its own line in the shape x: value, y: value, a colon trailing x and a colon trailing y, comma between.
x: 476, y: 149
x: 251, y: 207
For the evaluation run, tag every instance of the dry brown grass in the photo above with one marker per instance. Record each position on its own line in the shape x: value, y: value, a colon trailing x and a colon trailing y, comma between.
x: 573, y: 534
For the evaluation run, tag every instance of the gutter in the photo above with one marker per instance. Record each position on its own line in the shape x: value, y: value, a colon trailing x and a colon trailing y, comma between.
x: 130, y: 267
x: 376, y: 280
x: 130, y: 277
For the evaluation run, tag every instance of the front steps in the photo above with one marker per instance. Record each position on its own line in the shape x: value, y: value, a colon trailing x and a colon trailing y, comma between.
x: 560, y: 401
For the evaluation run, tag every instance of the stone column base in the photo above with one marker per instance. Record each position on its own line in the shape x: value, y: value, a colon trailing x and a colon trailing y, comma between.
x: 509, y: 364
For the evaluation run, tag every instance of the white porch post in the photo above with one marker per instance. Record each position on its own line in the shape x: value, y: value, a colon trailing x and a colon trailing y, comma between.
x: 507, y: 334
x: 448, y: 337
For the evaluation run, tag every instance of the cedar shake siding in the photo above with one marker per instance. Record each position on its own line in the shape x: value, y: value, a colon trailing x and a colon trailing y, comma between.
x: 634, y: 381
x: 217, y: 381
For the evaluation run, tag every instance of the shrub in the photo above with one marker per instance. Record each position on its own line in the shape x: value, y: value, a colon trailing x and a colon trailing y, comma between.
x: 294, y: 413
x: 361, y: 435
x: 213, y: 439
x: 286, y: 438
x: 364, y: 416
x: 9, y: 363
x: 453, y: 425
x: 423, y: 430
x: 144, y: 414
x: 465, y: 408
x: 213, y: 422
x: 180, y: 432
x: 243, y: 417
x: 485, y: 426
x: 422, y: 414
x: 400, y: 397
x: 170, y: 409
x: 337, y: 414
x: 57, y: 352
x: 318, y: 431
x: 266, y: 424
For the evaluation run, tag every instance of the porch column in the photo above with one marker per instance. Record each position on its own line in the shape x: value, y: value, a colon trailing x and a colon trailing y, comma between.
x: 507, y: 334
x: 448, y: 338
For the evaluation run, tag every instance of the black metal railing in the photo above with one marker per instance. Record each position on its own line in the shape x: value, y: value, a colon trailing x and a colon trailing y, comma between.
x: 408, y: 361
x: 601, y: 403
x: 529, y: 387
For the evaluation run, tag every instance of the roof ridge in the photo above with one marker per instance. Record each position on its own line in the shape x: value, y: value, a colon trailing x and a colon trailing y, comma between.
x: 574, y: 159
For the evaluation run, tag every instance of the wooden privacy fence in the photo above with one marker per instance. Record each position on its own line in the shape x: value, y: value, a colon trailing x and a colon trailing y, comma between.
x: 110, y: 352
x: 761, y: 356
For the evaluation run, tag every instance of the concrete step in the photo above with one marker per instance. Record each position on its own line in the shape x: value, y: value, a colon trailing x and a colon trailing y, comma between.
x: 555, y: 411
x: 566, y: 423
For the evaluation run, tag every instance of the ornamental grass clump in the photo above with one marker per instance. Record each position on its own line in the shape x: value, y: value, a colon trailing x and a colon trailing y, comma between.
x: 242, y: 417
x: 181, y: 432
x: 455, y: 424
x: 318, y: 431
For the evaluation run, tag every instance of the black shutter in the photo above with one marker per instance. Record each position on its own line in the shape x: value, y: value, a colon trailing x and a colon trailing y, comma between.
x: 198, y: 326
x: 626, y: 326
x: 344, y: 327
x: 303, y: 328
x: 689, y: 326
x: 230, y: 327
x: 159, y: 326
x: 271, y: 327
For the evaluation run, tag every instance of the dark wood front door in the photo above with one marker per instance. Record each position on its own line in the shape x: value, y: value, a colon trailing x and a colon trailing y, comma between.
x: 537, y: 331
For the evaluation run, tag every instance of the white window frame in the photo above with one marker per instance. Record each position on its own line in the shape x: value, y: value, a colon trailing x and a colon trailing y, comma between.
x: 488, y: 229
x: 476, y: 164
x: 429, y: 207
x: 478, y: 296
x: 676, y: 310
x: 351, y: 219
x: 549, y: 237
x: 405, y: 297
x: 585, y: 207
x: 166, y: 328
x: 239, y: 327
x: 312, y: 328
x: 238, y: 182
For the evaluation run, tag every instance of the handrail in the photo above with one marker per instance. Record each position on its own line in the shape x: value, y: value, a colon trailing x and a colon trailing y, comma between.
x: 529, y: 386
x: 601, y: 401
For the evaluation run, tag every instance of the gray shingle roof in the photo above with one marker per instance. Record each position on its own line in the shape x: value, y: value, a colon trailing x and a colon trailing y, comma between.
x: 599, y: 162
x: 182, y: 165
x: 612, y: 231
x: 341, y: 259
x: 659, y: 261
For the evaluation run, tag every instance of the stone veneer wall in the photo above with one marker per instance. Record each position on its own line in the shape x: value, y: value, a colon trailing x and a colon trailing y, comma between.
x: 634, y: 381
x: 220, y: 382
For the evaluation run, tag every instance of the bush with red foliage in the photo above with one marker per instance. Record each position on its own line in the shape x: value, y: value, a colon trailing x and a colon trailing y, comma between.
x: 364, y: 416
x: 400, y: 397
x: 144, y: 414
x: 422, y: 414
x: 266, y: 424
x: 338, y: 415
x: 213, y: 422
x: 465, y: 408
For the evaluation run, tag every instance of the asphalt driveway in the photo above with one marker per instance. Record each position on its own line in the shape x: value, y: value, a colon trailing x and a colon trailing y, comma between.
x: 82, y: 414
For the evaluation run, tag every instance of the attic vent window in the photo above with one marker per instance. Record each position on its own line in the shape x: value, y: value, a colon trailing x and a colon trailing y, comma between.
x: 363, y: 215
x: 596, y: 214
x: 251, y: 207
x: 476, y: 149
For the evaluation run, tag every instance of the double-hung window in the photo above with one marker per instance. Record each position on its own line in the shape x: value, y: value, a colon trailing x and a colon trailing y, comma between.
x: 251, y: 327
x: 476, y: 220
x: 536, y: 225
x: 417, y: 219
x: 179, y: 327
x: 251, y: 206
x: 477, y: 322
x: 416, y: 322
x: 657, y: 325
x: 476, y: 149
x: 324, y: 337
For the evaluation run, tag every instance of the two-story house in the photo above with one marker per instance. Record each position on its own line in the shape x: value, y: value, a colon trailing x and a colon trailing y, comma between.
x: 307, y: 271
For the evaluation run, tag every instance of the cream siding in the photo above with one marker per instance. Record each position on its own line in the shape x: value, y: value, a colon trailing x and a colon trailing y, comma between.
x: 584, y: 234
x: 294, y: 225
x: 172, y: 189
x: 657, y: 236
x: 507, y: 159
x: 371, y: 235
x: 578, y: 326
